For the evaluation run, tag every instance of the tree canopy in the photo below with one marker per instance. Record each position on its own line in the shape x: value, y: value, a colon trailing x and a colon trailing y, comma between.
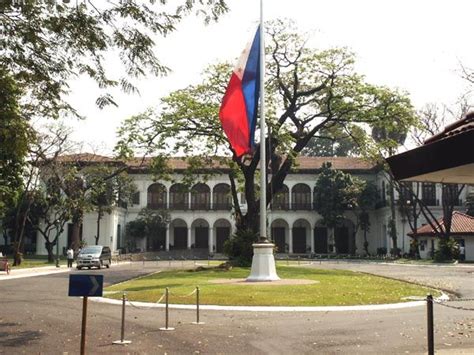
x: 14, y: 137
x: 336, y: 192
x: 46, y: 43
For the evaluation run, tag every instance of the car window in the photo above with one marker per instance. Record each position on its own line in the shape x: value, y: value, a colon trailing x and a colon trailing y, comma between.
x: 91, y: 250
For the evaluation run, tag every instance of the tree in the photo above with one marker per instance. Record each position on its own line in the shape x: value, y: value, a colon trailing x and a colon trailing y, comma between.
x: 50, y: 213
x: 365, y: 201
x: 334, y: 193
x: 388, y: 137
x: 307, y: 90
x: 432, y: 120
x: 147, y: 223
x: 47, y: 43
x: 107, y: 190
x: 334, y: 142
x: 15, y: 133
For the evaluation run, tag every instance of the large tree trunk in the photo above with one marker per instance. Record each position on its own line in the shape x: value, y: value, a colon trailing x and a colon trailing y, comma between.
x: 76, y: 232
x: 99, y: 217
x: 366, y: 243
x: 393, y: 216
x: 50, y: 247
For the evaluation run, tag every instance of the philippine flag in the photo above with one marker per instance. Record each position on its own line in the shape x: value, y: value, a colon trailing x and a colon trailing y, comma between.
x: 238, y: 112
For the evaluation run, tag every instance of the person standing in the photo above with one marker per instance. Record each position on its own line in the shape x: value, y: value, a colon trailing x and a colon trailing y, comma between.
x: 70, y: 257
x: 462, y: 252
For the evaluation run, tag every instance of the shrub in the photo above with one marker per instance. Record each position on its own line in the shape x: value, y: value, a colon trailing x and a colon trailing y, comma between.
x: 239, y: 247
x: 381, y: 251
x: 396, y: 252
x: 447, y: 250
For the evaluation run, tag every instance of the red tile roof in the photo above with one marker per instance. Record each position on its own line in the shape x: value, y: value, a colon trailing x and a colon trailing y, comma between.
x: 303, y: 163
x: 461, y: 224
x: 85, y: 158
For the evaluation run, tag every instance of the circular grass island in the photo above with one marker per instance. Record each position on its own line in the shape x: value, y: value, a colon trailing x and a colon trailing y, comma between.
x: 300, y: 287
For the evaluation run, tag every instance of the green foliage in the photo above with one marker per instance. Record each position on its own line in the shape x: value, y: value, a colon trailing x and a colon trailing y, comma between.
x: 335, y: 192
x: 48, y: 42
x: 146, y: 224
x: 15, y: 133
x: 239, y: 247
x: 334, y: 141
x: 447, y: 249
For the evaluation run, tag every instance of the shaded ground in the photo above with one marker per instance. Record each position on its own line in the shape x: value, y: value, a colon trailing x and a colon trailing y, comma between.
x: 36, y: 316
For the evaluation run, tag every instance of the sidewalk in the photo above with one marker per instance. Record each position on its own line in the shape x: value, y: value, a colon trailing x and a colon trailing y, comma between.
x: 32, y: 272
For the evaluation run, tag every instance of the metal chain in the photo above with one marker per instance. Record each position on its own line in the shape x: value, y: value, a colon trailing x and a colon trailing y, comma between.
x: 461, y: 300
x: 444, y: 304
x: 138, y: 307
x: 192, y: 293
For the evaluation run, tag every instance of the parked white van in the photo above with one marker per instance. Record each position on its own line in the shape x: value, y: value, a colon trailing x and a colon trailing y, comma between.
x: 94, y: 256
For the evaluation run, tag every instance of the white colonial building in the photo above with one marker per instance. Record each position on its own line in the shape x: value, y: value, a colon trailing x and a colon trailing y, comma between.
x: 202, y: 219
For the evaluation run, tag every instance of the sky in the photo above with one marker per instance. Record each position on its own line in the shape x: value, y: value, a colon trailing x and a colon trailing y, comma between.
x: 413, y: 45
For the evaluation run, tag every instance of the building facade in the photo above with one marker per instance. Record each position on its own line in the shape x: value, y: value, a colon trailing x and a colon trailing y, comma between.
x: 202, y: 218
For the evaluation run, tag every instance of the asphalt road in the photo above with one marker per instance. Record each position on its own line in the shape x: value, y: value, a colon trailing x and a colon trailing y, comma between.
x: 37, y: 316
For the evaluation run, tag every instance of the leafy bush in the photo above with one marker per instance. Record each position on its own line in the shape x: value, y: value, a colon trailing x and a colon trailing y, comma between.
x: 381, y: 251
x: 239, y: 247
x: 448, y: 249
x: 395, y: 252
x: 414, y: 249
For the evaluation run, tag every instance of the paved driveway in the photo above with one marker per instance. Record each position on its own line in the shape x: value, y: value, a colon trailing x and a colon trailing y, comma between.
x: 36, y: 316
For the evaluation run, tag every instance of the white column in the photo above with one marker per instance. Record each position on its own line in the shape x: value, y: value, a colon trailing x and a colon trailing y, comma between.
x: 211, y: 200
x: 290, y: 202
x: 168, y: 198
x: 189, y: 237
x: 211, y: 240
x: 312, y: 240
x: 290, y: 240
x: 167, y: 240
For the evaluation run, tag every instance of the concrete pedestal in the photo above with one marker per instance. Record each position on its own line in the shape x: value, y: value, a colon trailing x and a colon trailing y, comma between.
x: 263, y: 263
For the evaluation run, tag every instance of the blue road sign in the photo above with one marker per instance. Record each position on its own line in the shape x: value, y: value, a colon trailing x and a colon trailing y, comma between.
x: 86, y: 285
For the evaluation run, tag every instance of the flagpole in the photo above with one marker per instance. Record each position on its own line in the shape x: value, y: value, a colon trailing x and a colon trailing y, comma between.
x: 263, y: 260
x: 263, y: 172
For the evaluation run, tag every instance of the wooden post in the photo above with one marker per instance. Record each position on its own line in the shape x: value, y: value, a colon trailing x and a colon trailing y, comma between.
x: 429, y: 309
x: 84, y: 324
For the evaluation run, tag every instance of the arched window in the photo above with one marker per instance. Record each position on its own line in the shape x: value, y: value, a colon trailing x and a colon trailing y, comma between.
x: 301, y: 197
x: 222, y: 200
x: 179, y: 199
x: 200, y: 197
x: 156, y: 197
x: 281, y: 200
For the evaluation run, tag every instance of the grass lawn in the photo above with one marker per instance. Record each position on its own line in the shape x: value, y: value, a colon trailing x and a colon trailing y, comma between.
x: 34, y: 262
x: 335, y: 288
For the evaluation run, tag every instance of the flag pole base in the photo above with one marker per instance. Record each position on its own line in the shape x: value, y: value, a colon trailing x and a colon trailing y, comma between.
x: 122, y: 342
x: 263, y: 263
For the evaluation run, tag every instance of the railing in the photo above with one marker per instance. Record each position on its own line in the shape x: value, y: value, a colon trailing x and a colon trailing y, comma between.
x: 222, y: 206
x: 305, y: 206
x: 157, y: 206
x: 201, y: 206
x: 279, y: 206
x: 179, y: 206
